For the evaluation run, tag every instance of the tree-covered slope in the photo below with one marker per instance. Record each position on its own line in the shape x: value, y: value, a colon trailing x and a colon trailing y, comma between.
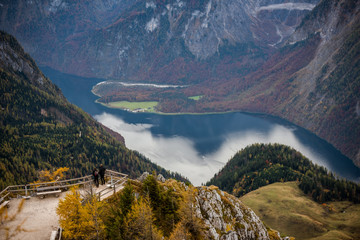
x: 262, y: 164
x: 40, y: 130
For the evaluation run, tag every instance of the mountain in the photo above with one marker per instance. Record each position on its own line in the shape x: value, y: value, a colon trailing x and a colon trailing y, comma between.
x: 40, y: 130
x: 138, y: 40
x: 298, y: 60
x: 262, y: 164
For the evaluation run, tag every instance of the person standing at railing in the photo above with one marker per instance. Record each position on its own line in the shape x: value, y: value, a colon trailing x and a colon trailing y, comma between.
x: 96, y: 177
x: 102, y: 174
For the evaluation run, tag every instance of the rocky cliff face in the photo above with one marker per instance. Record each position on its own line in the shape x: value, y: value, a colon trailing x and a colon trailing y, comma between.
x: 15, y: 61
x: 209, y: 212
x: 262, y: 22
x: 44, y: 27
x: 227, y: 217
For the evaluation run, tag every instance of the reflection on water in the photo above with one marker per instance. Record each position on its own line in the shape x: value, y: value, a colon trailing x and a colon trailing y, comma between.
x: 180, y: 154
x: 198, y: 146
x: 175, y: 153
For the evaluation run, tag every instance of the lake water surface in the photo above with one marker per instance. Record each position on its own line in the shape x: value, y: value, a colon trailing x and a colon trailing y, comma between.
x: 198, y: 146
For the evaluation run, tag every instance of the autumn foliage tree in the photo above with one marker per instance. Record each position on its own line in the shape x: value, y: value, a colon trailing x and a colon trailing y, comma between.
x: 80, y: 220
x: 139, y: 222
x: 141, y: 210
x: 51, y: 176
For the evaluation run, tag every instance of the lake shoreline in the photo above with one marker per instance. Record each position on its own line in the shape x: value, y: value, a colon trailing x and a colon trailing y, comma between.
x: 187, y: 113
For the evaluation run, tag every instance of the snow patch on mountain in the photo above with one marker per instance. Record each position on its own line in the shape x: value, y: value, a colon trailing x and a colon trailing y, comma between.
x: 152, y: 25
x: 57, y: 4
x: 287, y: 6
x: 150, y: 5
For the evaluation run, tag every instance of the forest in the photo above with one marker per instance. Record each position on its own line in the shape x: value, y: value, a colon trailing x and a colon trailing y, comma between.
x: 142, y: 210
x: 262, y: 164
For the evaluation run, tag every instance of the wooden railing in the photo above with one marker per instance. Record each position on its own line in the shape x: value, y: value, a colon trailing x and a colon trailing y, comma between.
x: 26, y: 191
x: 30, y: 190
x: 116, y: 180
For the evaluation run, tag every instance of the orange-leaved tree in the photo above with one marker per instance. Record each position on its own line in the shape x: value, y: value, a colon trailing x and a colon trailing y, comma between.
x: 80, y: 221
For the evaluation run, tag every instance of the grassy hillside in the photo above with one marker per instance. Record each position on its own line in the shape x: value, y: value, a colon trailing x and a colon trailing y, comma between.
x: 283, y: 206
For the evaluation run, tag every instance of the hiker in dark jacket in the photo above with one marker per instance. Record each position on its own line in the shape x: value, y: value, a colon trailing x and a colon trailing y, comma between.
x: 102, y: 174
x: 96, y: 177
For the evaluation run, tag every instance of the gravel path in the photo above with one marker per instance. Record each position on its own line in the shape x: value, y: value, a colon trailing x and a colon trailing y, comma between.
x: 37, y: 218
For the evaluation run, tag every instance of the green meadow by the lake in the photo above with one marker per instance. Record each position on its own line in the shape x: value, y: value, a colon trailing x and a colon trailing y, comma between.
x: 133, y: 106
x: 196, y: 98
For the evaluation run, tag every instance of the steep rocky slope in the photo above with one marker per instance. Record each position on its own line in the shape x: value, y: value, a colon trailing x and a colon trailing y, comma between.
x: 47, y: 27
x: 329, y: 85
x: 314, y: 81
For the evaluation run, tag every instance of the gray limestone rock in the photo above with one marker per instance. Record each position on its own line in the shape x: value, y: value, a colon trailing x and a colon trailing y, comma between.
x: 227, y: 217
x: 143, y: 176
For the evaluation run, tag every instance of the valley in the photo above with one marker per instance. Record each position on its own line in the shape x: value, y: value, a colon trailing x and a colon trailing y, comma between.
x: 198, y: 145
x: 292, y: 59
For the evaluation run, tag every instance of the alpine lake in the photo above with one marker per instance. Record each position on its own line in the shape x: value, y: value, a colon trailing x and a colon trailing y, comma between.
x: 198, y: 145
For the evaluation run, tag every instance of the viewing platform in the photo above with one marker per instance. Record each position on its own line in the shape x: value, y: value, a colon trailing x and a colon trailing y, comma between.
x: 37, y: 218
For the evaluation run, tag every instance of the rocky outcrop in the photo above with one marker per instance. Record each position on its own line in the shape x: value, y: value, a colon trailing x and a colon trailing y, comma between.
x: 15, y: 60
x: 160, y: 178
x: 262, y: 22
x: 143, y: 176
x: 227, y: 217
